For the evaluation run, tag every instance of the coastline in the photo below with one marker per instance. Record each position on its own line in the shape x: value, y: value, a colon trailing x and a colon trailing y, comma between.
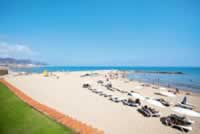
x: 24, y: 70
x: 168, y: 76
x: 185, y: 91
x: 63, y: 91
x: 13, y: 71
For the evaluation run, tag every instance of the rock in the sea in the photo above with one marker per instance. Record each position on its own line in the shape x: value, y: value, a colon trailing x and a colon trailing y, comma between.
x: 3, y: 71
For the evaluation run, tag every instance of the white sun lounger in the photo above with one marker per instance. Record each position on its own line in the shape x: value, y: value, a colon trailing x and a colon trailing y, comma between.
x: 167, y: 94
x: 162, y: 88
x: 137, y: 96
x: 187, y: 106
x: 187, y: 112
x: 183, y: 128
x: 155, y: 103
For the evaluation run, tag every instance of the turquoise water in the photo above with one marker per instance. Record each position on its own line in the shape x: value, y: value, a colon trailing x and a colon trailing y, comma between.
x: 189, y: 80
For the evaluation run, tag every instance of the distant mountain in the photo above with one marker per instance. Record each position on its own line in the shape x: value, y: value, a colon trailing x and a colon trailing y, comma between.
x: 13, y: 61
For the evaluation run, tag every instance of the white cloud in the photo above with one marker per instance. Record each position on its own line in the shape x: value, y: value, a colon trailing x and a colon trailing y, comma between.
x: 15, y: 50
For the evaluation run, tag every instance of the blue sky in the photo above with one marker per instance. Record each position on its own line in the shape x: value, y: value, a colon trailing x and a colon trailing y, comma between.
x: 102, y: 32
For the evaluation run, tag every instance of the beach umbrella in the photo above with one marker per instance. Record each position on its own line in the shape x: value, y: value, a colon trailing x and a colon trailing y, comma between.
x: 45, y: 73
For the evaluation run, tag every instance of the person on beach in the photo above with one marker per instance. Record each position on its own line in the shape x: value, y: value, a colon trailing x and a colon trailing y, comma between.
x: 138, y: 101
x: 184, y: 100
x: 177, y: 90
x: 107, y: 79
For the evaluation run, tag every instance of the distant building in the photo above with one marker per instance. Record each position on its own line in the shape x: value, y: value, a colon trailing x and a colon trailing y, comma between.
x: 3, y: 71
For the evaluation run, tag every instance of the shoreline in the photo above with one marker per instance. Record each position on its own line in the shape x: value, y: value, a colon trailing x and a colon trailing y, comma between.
x: 187, y: 80
x: 162, y: 86
x: 114, y: 70
x: 185, y: 91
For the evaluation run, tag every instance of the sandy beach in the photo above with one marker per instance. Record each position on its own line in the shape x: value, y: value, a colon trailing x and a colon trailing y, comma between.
x: 64, y: 92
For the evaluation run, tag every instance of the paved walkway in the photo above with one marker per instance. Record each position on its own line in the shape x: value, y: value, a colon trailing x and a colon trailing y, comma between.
x: 68, y: 121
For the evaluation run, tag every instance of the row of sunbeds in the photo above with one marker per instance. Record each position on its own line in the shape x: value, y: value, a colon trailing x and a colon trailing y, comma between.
x: 175, y: 121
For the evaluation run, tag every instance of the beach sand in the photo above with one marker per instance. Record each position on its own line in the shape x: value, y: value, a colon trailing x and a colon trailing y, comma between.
x: 65, y: 94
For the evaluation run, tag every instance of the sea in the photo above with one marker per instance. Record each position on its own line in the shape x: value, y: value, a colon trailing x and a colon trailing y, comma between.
x: 184, y: 78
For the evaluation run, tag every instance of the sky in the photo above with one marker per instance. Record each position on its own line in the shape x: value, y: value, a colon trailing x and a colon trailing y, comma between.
x: 102, y: 32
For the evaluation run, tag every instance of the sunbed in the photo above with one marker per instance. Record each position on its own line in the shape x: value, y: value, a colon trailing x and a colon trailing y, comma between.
x: 149, y: 112
x: 163, y: 102
x: 179, y: 122
x: 114, y: 99
x: 183, y: 128
x: 86, y: 85
x: 167, y: 94
x: 130, y: 103
x: 99, y: 82
x: 186, y: 106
